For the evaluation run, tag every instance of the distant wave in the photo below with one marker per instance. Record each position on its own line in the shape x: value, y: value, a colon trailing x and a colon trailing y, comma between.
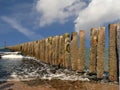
x: 12, y: 57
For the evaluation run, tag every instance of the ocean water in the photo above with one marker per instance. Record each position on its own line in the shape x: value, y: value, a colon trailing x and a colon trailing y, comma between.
x: 28, y: 68
x: 2, y: 49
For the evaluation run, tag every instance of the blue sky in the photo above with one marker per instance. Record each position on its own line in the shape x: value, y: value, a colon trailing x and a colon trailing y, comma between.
x: 22, y: 12
x: 28, y: 20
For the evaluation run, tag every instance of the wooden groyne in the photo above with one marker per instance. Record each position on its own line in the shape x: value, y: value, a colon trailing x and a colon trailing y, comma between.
x: 67, y: 51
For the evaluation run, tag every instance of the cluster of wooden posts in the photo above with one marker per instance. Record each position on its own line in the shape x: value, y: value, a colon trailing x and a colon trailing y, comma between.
x: 64, y: 50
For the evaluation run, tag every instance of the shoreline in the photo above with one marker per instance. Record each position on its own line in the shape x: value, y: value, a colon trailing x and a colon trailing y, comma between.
x: 57, y: 85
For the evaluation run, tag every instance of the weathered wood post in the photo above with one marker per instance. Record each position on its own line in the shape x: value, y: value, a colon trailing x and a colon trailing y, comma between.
x: 38, y: 54
x: 67, y: 50
x: 118, y: 42
x: 25, y: 51
x: 118, y: 49
x: 93, y: 51
x: 74, y: 50
x: 23, y: 48
x: 46, y: 50
x: 40, y: 50
x: 37, y: 49
x: 54, y: 50
x: 100, y: 52
x: 61, y: 50
x: 28, y: 52
x: 30, y: 47
x: 34, y: 48
x: 53, y: 46
x: 43, y: 50
x: 18, y: 47
x: 113, y: 59
x: 50, y: 49
x: 57, y: 38
x: 82, y: 51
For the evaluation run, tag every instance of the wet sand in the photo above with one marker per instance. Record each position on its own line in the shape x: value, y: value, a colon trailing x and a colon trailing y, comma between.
x: 57, y: 85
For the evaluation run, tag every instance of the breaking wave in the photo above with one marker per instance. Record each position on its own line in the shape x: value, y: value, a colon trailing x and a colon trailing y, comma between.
x: 14, y: 66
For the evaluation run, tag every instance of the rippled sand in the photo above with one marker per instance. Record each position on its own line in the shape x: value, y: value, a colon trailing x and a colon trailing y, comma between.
x: 56, y: 85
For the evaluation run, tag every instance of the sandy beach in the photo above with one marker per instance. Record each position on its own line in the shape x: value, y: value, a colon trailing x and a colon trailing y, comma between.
x: 57, y: 85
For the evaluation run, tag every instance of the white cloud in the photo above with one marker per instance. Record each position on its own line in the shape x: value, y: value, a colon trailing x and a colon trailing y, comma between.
x: 14, y: 24
x: 97, y: 13
x: 58, y: 10
x: 87, y: 15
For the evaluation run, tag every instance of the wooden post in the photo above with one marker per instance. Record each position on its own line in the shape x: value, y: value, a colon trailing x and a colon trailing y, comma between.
x: 50, y: 49
x: 27, y: 48
x: 23, y: 48
x: 40, y: 50
x: 37, y: 49
x: 43, y: 51
x: 74, y: 50
x: 30, y: 49
x: 113, y: 59
x: 46, y: 50
x: 67, y: 50
x: 118, y: 41
x: 57, y: 50
x: 82, y: 51
x: 100, y: 52
x: 54, y: 47
x: 33, y: 48
x: 118, y: 49
x: 25, y: 45
x: 38, y: 54
x: 61, y: 50
x: 93, y: 51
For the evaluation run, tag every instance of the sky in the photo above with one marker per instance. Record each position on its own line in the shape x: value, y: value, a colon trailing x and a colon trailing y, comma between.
x: 28, y: 20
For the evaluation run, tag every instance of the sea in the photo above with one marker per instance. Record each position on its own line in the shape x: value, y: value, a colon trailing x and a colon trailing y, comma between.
x: 28, y: 68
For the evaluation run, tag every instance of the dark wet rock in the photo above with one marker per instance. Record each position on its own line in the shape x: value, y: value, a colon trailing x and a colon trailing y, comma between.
x: 35, y: 69
x: 53, y: 71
